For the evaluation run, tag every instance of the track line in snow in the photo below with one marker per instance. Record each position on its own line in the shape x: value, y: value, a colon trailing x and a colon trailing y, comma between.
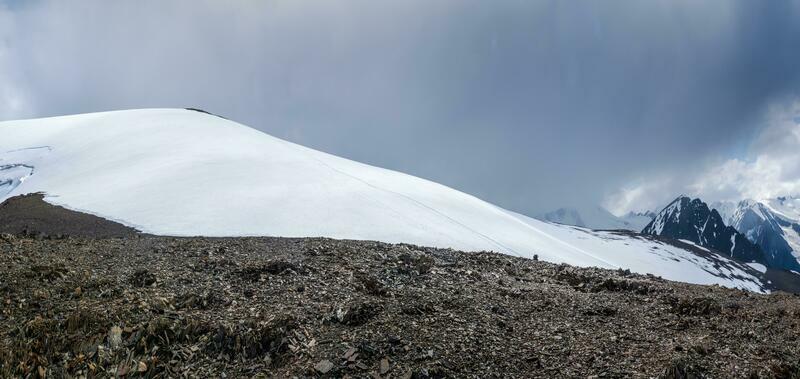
x: 564, y: 243
x: 413, y: 200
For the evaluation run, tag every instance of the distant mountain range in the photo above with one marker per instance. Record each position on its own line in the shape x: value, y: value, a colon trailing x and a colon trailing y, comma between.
x: 766, y: 231
x: 598, y: 218
x: 638, y: 220
x: 692, y: 220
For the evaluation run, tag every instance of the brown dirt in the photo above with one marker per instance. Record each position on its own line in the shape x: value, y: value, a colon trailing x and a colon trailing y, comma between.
x: 30, y: 215
x: 256, y: 307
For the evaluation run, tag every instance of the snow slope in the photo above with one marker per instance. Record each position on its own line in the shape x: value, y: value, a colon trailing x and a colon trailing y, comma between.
x: 787, y: 207
x: 180, y: 172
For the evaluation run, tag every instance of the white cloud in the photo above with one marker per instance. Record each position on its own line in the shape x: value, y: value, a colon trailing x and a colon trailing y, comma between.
x: 523, y: 104
x: 771, y: 168
x: 639, y: 196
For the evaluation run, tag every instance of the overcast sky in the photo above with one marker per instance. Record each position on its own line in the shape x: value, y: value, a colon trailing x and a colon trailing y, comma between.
x: 528, y: 104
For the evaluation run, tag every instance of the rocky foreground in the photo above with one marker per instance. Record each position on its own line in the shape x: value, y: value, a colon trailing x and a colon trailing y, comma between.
x: 143, y: 306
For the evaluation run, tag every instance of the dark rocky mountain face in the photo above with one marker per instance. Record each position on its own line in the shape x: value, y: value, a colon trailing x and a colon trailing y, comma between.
x: 762, y: 227
x: 692, y: 220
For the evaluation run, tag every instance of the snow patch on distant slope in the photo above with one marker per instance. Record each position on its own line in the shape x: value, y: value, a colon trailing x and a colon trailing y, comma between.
x: 758, y: 266
x: 694, y: 244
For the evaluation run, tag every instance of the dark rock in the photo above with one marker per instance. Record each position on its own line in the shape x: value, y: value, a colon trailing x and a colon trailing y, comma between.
x: 259, y: 272
x: 681, y: 369
x: 701, y: 306
x: 142, y: 278
x: 372, y: 285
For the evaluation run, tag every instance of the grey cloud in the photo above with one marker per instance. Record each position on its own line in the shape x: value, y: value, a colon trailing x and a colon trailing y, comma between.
x: 769, y: 167
x: 529, y: 105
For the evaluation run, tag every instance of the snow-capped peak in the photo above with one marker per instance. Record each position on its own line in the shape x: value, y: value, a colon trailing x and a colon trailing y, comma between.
x: 691, y: 219
x: 776, y: 234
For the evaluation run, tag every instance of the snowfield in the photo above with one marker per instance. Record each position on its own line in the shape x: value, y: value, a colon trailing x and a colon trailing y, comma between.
x: 185, y: 173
